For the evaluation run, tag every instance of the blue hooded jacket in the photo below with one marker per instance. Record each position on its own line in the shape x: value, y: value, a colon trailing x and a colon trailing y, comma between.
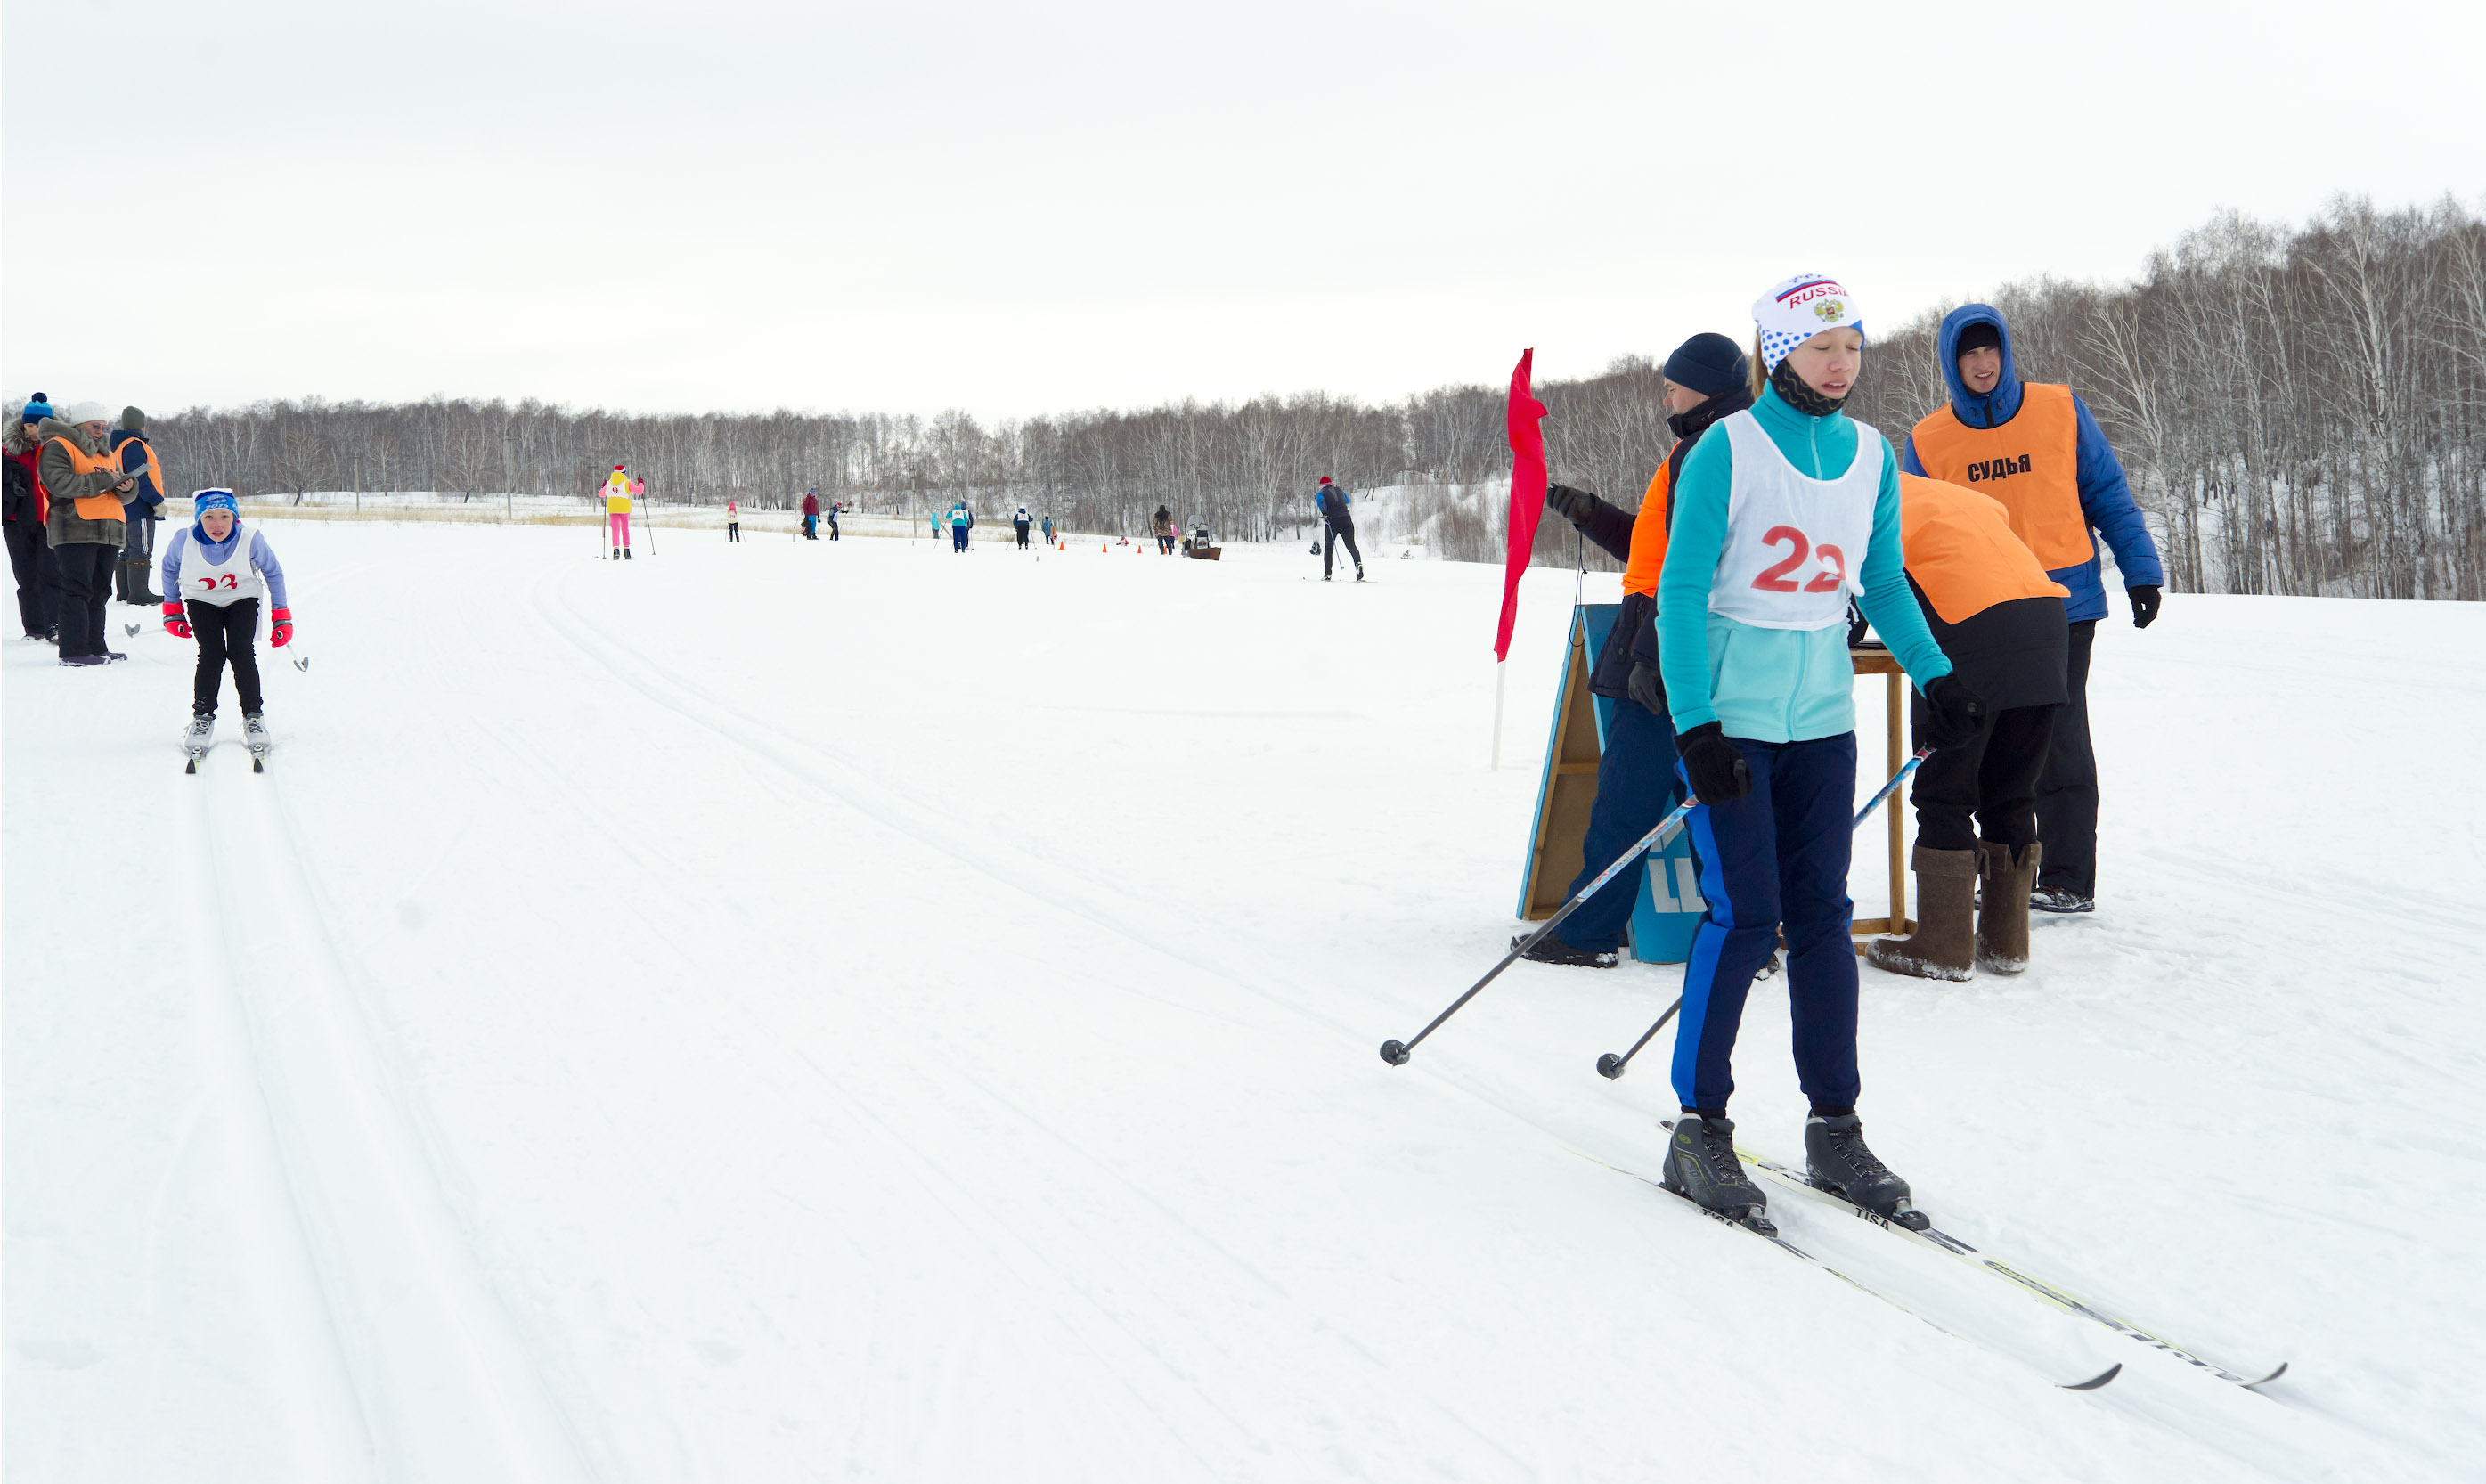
x: 2106, y: 499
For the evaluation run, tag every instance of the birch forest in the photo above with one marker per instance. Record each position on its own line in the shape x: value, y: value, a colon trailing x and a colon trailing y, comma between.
x: 2301, y: 410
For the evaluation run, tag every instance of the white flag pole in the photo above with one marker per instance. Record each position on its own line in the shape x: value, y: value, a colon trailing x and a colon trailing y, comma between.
x: 1501, y: 670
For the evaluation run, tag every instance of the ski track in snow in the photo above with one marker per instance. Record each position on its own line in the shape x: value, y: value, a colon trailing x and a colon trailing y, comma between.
x: 619, y: 1054
x: 441, y: 1385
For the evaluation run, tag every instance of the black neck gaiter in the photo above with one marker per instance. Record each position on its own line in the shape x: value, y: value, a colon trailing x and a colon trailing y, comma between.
x: 1796, y: 392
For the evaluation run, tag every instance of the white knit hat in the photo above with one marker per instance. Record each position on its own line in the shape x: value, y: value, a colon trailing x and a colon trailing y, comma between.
x: 1799, y: 308
x: 85, y: 412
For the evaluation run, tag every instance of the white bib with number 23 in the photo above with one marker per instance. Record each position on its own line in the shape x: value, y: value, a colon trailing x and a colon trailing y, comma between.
x: 1793, y: 543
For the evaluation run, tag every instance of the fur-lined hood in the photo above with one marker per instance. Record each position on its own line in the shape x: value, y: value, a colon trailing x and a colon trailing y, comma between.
x: 20, y: 439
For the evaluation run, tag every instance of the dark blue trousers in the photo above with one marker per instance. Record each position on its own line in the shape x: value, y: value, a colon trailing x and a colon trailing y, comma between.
x: 1636, y: 786
x: 1778, y: 854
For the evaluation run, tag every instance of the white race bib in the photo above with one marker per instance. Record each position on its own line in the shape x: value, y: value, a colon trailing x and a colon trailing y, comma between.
x: 1794, y: 543
x: 220, y: 583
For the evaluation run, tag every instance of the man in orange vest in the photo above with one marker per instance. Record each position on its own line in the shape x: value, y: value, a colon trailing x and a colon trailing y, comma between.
x: 87, y: 525
x: 1705, y: 381
x: 2000, y: 619
x: 2036, y: 451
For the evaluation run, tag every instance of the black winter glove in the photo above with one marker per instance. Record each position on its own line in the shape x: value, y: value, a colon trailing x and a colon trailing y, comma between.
x: 1570, y: 504
x: 1648, y: 687
x: 2144, y: 604
x: 1715, y: 766
x: 1953, y: 712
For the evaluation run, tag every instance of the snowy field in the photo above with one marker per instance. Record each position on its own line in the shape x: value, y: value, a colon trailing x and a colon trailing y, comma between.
x: 845, y: 1012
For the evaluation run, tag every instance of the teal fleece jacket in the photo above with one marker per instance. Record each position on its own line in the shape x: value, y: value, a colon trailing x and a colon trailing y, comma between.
x: 1777, y: 685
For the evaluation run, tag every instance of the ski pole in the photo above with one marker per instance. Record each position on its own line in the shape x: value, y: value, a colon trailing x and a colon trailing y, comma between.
x: 1611, y: 1066
x: 1396, y: 1052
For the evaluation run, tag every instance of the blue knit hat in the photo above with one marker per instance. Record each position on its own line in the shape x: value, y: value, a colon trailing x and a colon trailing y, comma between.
x: 36, y: 410
x: 205, y: 500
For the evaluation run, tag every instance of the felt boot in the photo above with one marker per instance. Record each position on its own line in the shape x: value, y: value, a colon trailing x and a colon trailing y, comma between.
x: 2002, y: 910
x: 1944, y: 944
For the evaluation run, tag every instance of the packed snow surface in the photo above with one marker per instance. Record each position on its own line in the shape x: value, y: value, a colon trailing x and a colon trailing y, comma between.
x: 804, y: 1011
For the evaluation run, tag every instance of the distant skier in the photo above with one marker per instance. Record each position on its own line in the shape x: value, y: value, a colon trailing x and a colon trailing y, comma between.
x: 1019, y: 523
x: 935, y: 519
x: 617, y: 511
x: 1048, y: 531
x: 2036, y: 449
x: 811, y: 514
x: 961, y: 521
x: 733, y: 521
x: 833, y: 507
x: 215, y: 571
x: 1163, y: 524
x: 1781, y: 512
x: 1337, y: 525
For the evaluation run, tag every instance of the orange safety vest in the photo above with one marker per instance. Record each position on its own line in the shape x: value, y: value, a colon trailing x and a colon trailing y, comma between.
x: 154, y: 470
x: 1962, y: 552
x: 2030, y: 464
x: 105, y: 505
x: 1648, y: 537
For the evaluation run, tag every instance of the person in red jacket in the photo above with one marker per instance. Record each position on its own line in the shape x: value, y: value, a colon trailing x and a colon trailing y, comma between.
x: 27, y: 509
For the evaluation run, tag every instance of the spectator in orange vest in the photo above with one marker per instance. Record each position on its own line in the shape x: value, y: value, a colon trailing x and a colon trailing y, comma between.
x: 2036, y: 449
x: 87, y: 527
x: 2000, y: 619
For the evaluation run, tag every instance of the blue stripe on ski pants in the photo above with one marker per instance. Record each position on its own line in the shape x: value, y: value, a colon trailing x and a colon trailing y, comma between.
x: 1635, y: 788
x: 1779, y: 853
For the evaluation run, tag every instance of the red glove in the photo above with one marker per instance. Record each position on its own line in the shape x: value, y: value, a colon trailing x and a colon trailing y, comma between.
x: 176, y: 620
x: 280, y: 632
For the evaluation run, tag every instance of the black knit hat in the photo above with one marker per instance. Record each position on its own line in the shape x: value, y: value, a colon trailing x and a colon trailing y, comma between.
x: 1707, y: 363
x: 1984, y: 334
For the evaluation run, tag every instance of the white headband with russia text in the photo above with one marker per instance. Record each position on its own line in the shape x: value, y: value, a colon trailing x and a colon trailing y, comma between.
x: 1800, y: 308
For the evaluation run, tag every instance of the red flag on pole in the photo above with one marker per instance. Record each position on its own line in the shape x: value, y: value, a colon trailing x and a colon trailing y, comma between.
x: 1527, y: 493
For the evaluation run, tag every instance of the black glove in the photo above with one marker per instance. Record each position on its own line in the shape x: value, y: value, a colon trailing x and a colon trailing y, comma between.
x: 1570, y: 504
x: 1715, y: 765
x: 1860, y: 629
x: 2145, y: 603
x: 1648, y: 687
x: 1953, y: 712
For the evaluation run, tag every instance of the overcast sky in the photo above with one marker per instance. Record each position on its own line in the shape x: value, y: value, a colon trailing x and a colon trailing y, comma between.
x: 1014, y: 208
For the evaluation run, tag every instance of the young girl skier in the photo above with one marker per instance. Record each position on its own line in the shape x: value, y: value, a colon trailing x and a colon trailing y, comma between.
x: 1780, y: 514
x: 617, y: 511
x: 214, y: 573
x: 733, y: 521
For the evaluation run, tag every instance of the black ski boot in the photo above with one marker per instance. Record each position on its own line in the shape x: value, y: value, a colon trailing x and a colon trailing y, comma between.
x: 1700, y: 1163
x: 1836, y: 1157
x: 1554, y: 950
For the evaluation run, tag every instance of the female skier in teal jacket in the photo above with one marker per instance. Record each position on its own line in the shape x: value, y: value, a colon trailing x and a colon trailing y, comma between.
x: 1783, y: 512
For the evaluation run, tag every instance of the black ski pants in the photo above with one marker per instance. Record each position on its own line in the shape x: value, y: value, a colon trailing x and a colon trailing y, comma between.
x: 734, y: 531
x: 1334, y: 531
x: 85, y: 592
x: 30, y: 562
x: 1986, y: 787
x: 224, y: 631
x: 2067, y: 789
x: 1021, y: 527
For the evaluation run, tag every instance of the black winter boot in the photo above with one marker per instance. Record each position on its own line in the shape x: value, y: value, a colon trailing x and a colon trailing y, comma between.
x: 1700, y: 1163
x: 1835, y: 1154
x: 139, y: 592
x: 1554, y: 950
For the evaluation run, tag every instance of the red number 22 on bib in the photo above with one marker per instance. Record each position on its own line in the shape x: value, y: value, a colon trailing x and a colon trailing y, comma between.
x: 1774, y: 578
